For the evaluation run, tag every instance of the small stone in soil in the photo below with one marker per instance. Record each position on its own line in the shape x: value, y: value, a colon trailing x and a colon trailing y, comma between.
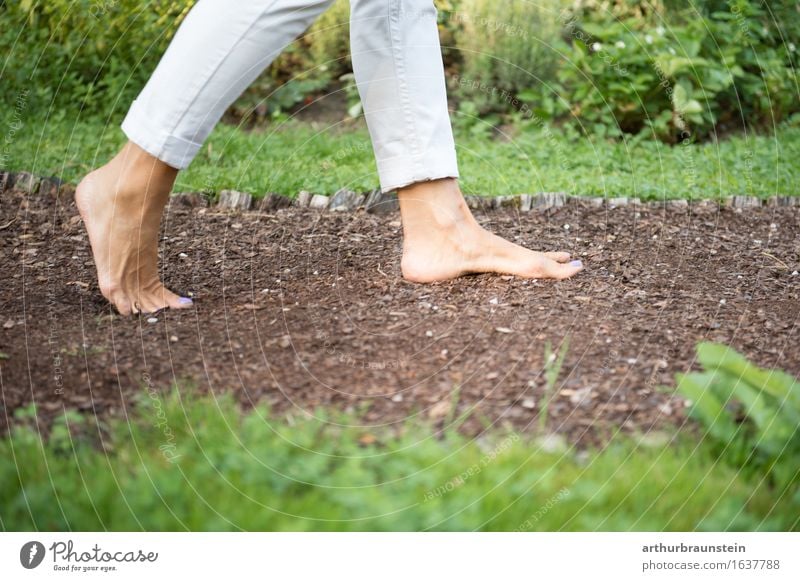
x: 303, y: 198
x: 273, y: 201
x: 319, y: 202
x: 345, y: 201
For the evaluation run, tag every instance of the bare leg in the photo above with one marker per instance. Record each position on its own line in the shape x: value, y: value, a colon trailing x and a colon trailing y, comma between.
x: 121, y: 205
x: 442, y: 240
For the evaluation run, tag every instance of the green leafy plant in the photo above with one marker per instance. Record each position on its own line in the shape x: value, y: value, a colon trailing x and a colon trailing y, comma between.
x: 504, y: 47
x: 84, y: 54
x: 684, y: 72
x: 751, y: 414
x: 95, y: 56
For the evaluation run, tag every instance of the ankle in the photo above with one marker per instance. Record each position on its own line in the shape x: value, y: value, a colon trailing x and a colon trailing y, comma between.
x: 436, y: 204
x: 136, y: 172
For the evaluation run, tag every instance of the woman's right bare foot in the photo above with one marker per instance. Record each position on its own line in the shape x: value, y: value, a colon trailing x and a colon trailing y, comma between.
x: 442, y: 240
x: 121, y: 205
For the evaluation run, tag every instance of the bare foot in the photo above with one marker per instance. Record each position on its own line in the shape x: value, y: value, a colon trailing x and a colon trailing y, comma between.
x: 121, y: 205
x: 442, y: 240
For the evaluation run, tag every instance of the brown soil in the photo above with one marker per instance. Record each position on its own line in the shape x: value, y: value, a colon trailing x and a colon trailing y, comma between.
x: 304, y: 309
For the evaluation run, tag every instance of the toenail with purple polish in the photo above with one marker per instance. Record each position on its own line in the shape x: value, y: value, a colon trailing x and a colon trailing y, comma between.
x: 185, y: 301
x: 576, y: 263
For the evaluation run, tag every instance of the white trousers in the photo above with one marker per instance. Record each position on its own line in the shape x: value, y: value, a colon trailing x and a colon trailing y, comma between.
x: 222, y: 46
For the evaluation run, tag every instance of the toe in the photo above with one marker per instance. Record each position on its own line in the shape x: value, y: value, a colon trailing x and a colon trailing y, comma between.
x: 174, y: 301
x: 123, y: 305
x: 560, y: 271
x: 558, y: 256
x: 158, y: 297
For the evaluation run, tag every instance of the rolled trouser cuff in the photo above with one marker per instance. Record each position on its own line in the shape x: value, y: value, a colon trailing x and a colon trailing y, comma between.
x: 175, y: 151
x: 401, y: 171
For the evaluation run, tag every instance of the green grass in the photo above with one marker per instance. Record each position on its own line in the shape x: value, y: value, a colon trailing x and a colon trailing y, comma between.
x: 293, y: 156
x: 235, y: 470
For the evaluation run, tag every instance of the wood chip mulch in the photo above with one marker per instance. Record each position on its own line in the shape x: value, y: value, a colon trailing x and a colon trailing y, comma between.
x: 305, y: 310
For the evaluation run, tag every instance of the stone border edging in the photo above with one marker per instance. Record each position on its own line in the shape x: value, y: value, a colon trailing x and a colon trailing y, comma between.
x: 377, y: 202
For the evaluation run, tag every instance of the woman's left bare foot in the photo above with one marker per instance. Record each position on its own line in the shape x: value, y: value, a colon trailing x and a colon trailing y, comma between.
x: 121, y: 205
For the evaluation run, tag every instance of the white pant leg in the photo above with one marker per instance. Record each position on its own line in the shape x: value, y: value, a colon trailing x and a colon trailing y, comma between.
x: 397, y: 62
x: 219, y: 49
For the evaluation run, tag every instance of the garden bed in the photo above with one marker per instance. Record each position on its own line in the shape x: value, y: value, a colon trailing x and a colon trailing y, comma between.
x: 305, y: 309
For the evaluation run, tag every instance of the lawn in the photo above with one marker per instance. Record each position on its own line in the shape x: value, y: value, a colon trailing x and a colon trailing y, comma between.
x: 290, y: 156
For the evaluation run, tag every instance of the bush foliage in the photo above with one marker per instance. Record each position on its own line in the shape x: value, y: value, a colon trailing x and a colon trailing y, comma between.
x: 678, y: 69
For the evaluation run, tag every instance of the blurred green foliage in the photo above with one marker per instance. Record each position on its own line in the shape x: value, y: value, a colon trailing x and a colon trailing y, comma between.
x: 687, y: 74
x: 180, y: 461
x: 679, y: 70
x: 507, y: 45
x: 96, y: 55
x: 751, y: 415
x: 92, y: 55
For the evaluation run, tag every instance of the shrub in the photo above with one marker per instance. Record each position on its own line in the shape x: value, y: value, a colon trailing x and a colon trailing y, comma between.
x: 328, y: 40
x: 682, y: 70
x: 96, y: 55
x: 752, y: 415
x: 88, y: 54
x: 507, y: 46
x: 683, y: 74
